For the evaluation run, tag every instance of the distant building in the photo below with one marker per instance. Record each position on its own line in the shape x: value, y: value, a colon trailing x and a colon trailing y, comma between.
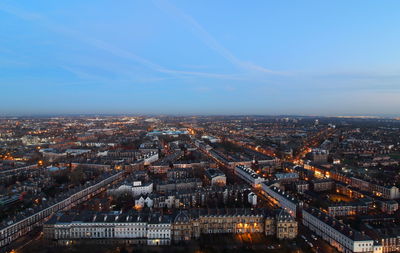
x: 319, y: 156
x: 287, y: 177
x: 248, y: 175
x: 135, y: 189
x: 286, y: 227
x: 385, y: 232
x: 301, y: 186
x: 322, y: 184
x: 347, y: 208
x: 252, y: 198
x: 143, y: 202
x: 289, y: 203
x: 388, y: 206
x: 180, y: 173
x: 179, y: 184
x: 215, y: 177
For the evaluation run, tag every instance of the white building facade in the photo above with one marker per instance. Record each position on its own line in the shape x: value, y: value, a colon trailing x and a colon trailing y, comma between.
x: 155, y: 230
x: 337, y: 234
x: 248, y: 175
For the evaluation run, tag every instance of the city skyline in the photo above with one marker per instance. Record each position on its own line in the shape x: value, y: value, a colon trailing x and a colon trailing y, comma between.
x: 201, y: 58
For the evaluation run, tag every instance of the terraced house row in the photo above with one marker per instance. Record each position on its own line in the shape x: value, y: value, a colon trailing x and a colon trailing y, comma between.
x: 27, y: 221
x: 158, y: 229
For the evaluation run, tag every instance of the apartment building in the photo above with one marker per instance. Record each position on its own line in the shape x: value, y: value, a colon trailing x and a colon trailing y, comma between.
x: 155, y: 228
x: 341, y: 236
x: 282, y: 199
x: 248, y: 175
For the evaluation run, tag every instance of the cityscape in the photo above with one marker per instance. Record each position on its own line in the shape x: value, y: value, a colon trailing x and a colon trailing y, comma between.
x: 257, y: 183
x: 199, y: 126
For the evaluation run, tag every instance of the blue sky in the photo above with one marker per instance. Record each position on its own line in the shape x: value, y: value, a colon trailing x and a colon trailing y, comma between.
x: 200, y: 57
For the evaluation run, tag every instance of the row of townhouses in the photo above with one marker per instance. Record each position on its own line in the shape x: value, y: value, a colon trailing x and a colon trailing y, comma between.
x: 384, y: 191
x: 282, y: 199
x: 196, y: 198
x: 158, y: 229
x: 14, y: 229
x: 341, y: 236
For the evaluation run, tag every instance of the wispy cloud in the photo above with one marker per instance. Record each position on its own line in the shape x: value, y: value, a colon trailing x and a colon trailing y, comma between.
x: 83, y: 74
x: 371, y: 75
x: 107, y: 47
x: 19, y: 12
x: 203, y: 74
x: 209, y: 40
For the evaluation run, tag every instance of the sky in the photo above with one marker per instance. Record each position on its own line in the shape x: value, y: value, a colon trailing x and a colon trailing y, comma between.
x: 200, y: 57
